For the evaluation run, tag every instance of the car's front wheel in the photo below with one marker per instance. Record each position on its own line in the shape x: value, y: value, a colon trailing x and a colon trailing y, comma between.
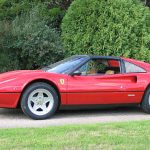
x: 39, y: 101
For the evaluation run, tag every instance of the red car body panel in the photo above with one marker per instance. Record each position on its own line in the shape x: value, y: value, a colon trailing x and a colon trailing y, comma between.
x: 75, y: 90
x: 108, y: 89
x: 103, y: 98
x: 16, y: 81
x: 9, y: 100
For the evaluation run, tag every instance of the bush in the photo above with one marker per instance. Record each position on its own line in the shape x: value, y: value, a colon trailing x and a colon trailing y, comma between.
x: 56, y: 11
x: 27, y: 32
x: 100, y: 27
x: 9, y: 9
x: 53, y: 10
x: 6, y: 63
x: 33, y: 43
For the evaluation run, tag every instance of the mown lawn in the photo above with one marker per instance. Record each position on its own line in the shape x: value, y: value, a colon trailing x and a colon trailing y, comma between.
x: 118, y: 136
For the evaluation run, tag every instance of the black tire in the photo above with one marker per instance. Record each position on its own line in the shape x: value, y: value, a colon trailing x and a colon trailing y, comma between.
x: 145, y: 102
x: 25, y: 100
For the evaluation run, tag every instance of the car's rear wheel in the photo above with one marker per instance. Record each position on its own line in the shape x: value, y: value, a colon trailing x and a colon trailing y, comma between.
x: 39, y: 101
x: 146, y: 101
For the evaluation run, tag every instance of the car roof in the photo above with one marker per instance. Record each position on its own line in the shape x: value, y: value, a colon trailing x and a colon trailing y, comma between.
x: 105, y: 57
x: 95, y: 56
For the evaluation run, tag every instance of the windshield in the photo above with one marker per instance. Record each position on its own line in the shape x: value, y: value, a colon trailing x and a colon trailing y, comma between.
x: 66, y: 65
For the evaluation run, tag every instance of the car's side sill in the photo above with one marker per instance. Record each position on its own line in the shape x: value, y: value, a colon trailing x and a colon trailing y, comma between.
x: 98, y: 106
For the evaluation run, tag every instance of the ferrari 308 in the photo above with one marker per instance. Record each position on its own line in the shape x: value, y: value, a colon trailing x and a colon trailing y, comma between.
x: 77, y: 81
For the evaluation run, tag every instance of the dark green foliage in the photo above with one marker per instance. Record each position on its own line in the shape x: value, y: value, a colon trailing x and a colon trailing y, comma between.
x: 52, y: 10
x: 28, y: 36
x: 7, y: 61
x: 112, y: 27
x: 9, y: 9
x: 55, y: 11
x: 34, y: 43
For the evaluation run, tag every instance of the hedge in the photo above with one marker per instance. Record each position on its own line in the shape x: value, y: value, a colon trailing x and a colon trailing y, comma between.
x: 106, y: 27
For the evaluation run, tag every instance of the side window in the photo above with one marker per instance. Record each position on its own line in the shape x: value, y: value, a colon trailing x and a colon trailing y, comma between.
x: 100, y: 67
x: 132, y: 68
x: 97, y: 66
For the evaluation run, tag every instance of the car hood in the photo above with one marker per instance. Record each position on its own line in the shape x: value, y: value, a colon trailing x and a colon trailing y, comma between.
x: 15, y: 74
x: 15, y: 81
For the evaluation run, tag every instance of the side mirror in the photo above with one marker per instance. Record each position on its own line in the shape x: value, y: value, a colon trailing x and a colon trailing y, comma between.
x: 76, y: 73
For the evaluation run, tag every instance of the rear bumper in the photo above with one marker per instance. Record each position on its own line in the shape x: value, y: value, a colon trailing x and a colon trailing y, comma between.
x: 9, y: 100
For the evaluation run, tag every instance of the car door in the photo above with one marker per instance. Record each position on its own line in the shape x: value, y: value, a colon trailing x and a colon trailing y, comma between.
x: 103, y: 88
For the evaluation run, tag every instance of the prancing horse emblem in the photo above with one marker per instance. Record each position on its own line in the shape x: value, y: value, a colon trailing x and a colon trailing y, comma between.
x: 62, y: 81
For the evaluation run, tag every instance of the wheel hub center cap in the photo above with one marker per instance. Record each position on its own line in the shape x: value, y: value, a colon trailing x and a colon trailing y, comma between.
x: 40, y: 102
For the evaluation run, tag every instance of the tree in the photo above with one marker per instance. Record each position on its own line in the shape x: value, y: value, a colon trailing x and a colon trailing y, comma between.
x: 100, y: 27
x: 32, y: 43
x: 27, y: 38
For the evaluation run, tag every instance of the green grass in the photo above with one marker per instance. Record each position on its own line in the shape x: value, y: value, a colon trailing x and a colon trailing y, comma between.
x: 118, y: 136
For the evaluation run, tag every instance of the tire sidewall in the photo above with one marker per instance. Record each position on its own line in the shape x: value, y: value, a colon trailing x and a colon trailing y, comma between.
x: 29, y: 90
x: 145, y: 103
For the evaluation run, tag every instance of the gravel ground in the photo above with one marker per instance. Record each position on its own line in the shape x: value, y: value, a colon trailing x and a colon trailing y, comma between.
x: 14, y: 118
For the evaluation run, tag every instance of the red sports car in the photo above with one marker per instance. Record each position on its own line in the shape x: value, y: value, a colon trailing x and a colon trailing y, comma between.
x: 78, y: 80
